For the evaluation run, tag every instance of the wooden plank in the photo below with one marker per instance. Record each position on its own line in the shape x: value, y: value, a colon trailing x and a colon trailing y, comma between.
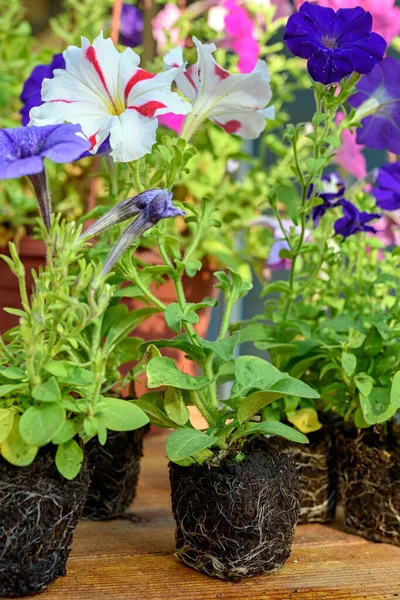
x: 132, y: 558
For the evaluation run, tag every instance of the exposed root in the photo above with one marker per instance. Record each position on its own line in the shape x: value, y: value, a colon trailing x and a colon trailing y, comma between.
x: 115, y: 472
x: 371, y: 487
x: 236, y: 520
x: 39, y: 511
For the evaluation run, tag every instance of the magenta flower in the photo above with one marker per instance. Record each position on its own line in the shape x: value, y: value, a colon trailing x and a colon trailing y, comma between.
x: 174, y: 122
x: 241, y: 35
x: 385, y: 14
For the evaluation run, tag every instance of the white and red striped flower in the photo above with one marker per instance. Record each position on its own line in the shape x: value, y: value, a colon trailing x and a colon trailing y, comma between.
x: 108, y: 94
x: 237, y: 103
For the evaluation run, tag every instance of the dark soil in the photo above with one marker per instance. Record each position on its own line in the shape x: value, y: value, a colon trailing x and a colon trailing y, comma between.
x: 39, y: 511
x: 236, y: 519
x: 317, y: 469
x: 371, y: 487
x: 115, y: 472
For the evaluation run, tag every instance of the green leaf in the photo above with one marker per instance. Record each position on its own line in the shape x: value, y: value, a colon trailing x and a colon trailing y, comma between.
x: 224, y: 348
x: 373, y: 344
x: 49, y: 391
x: 70, y: 374
x: 175, y: 406
x: 181, y: 342
x: 15, y: 450
x: 154, y: 412
x: 276, y: 286
x: 163, y: 371
x: 252, y: 373
x: 395, y: 391
x: 192, y: 266
x: 123, y: 327
x: 359, y: 420
x: 122, y: 415
x: 187, y: 442
x: 6, y: 423
x: 364, y: 383
x: 356, y: 338
x: 69, y: 459
x: 174, y: 317
x: 294, y: 387
x: 66, y: 433
x: 39, y: 424
x: 10, y: 388
x: 376, y: 407
x: 254, y: 403
x: 12, y: 373
x: 349, y: 363
x: 271, y: 428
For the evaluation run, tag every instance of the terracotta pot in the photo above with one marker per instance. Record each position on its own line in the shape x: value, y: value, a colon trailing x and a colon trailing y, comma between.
x: 33, y: 254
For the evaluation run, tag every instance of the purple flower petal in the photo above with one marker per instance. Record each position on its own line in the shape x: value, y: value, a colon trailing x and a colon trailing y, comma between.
x: 353, y: 220
x: 131, y: 27
x: 31, y: 94
x: 335, y: 43
x: 380, y: 130
x: 387, y: 190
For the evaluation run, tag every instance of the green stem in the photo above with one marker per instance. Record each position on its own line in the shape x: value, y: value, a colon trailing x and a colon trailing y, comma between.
x: 204, y: 412
x: 227, y: 318
x: 134, y: 167
x: 136, y: 279
x: 4, y: 350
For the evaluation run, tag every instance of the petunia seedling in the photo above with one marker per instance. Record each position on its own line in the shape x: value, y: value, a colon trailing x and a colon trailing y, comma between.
x: 108, y: 94
x: 23, y: 150
x: 237, y: 103
x: 378, y: 101
x: 152, y: 206
x: 335, y: 44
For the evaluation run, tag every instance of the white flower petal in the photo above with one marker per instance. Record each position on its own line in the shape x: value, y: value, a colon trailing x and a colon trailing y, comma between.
x: 96, y: 66
x: 183, y: 78
x: 132, y: 136
x: 154, y: 97
x: 246, y: 125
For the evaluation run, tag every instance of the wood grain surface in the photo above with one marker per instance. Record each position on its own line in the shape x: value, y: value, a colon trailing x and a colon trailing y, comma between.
x: 132, y: 558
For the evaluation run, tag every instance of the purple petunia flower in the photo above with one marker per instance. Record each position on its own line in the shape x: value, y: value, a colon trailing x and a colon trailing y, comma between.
x: 353, y: 220
x: 32, y: 91
x: 335, y: 44
x: 151, y: 206
x: 131, y: 26
x: 381, y: 89
x: 333, y: 188
x: 23, y: 149
x: 387, y: 190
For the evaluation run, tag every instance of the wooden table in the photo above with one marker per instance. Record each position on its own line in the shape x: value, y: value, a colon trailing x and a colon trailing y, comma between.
x: 132, y: 558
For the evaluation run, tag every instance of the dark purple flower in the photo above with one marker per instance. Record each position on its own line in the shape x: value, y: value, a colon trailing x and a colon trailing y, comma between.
x: 131, y: 26
x: 333, y: 188
x: 380, y: 130
x: 387, y: 190
x: 354, y: 220
x: 23, y: 149
x: 151, y: 207
x: 335, y: 44
x: 32, y: 91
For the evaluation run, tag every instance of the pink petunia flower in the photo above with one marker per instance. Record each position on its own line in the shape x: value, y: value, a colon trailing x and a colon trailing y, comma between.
x: 350, y: 156
x: 174, y: 122
x: 163, y: 26
x: 386, y: 16
x: 241, y: 37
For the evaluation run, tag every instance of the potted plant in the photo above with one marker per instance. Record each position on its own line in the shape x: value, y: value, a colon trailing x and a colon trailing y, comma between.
x: 51, y: 403
x: 231, y: 452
